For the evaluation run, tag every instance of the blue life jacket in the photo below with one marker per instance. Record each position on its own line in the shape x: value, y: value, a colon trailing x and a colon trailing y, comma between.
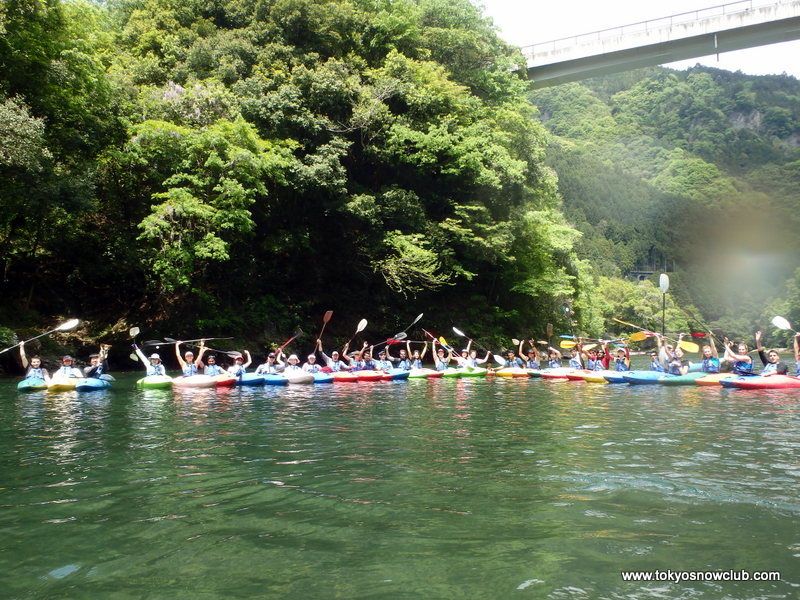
x: 741, y: 367
x: 37, y: 373
x: 620, y: 364
x: 384, y: 365
x: 404, y: 364
x: 416, y: 363
x: 190, y: 369
x: 213, y: 370
x: 532, y: 363
x: 769, y: 368
x: 595, y: 364
x: 337, y: 366
x: 155, y: 369
x: 656, y: 366
x: 441, y: 365
x: 710, y: 365
x: 575, y: 363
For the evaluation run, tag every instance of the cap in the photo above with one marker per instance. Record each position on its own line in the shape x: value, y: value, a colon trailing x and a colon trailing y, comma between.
x: 65, y: 358
x: 271, y: 355
x: 310, y: 356
x: 188, y: 353
x: 238, y: 357
x: 94, y: 355
x: 335, y: 353
x: 464, y: 350
x: 381, y: 352
x: 154, y: 355
x: 531, y: 351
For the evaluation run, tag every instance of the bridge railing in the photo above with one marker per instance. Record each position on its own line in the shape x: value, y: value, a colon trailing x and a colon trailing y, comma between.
x: 693, y: 16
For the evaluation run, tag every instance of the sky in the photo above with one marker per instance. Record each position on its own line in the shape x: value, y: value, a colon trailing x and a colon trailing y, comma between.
x: 523, y: 22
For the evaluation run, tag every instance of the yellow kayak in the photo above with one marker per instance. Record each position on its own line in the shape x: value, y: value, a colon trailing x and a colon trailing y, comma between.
x: 62, y: 384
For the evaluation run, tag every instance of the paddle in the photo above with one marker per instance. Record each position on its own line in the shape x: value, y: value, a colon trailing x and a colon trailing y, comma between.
x: 133, y: 332
x: 362, y: 324
x: 469, y: 339
x: 172, y: 340
x: 297, y: 333
x: 325, y: 318
x: 782, y: 323
x: 414, y: 322
x: 396, y: 339
x: 71, y: 324
x: 684, y: 344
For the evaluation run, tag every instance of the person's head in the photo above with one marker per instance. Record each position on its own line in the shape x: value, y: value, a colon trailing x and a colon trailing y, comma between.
x: 464, y: 353
x: 573, y: 352
x: 238, y: 359
x: 382, y: 355
x: 773, y: 356
x: 601, y: 353
x: 707, y: 351
x: 509, y: 354
x: 415, y: 354
x: 473, y: 353
x: 367, y: 356
x: 271, y: 357
x: 155, y: 359
x: 593, y: 354
x: 312, y: 358
x: 66, y: 360
x: 293, y: 360
x: 741, y: 348
x: 36, y: 362
x: 211, y: 359
x: 668, y: 348
x: 653, y: 355
x: 620, y: 353
x: 678, y: 352
x: 440, y: 352
x: 553, y: 353
x: 403, y: 353
x: 531, y: 353
x: 94, y: 359
x: 188, y: 356
x: 335, y: 355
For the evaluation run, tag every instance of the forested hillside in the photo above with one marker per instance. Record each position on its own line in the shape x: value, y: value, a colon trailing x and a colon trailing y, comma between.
x: 694, y: 171
x: 242, y: 166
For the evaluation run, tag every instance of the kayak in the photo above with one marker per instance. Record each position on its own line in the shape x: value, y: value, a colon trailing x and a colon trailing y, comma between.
x: 298, y: 376
x: 730, y: 382
x: 578, y: 374
x: 713, y: 379
x: 767, y: 382
x: 250, y: 379
x: 368, y: 375
x: 451, y: 372
x: 195, y: 381
x: 91, y: 384
x: 511, y: 372
x: 615, y: 376
x: 424, y: 374
x: 689, y: 379
x: 474, y: 372
x: 155, y: 382
x: 644, y: 377
x: 534, y: 372
x: 597, y: 376
x: 62, y: 384
x: 224, y: 380
x: 556, y: 373
x: 394, y: 374
x: 344, y: 377
x: 31, y: 384
x: 322, y: 377
x: 275, y: 379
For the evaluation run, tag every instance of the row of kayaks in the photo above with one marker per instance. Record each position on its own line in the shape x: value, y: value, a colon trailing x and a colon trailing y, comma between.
x: 752, y: 382
x: 303, y: 377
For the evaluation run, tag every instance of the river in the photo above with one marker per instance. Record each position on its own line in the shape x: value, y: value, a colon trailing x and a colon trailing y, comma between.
x: 444, y: 489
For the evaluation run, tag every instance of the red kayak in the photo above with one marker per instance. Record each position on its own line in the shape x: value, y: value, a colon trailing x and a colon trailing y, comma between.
x: 767, y: 382
x: 369, y: 375
x: 344, y: 377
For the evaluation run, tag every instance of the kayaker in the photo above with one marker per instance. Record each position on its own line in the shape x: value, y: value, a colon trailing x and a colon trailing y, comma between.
x: 270, y: 366
x: 153, y: 364
x: 655, y: 364
x: 293, y: 363
x: 678, y: 366
x: 575, y: 357
x: 797, y: 352
x: 403, y: 362
x: 441, y: 359
x: 239, y: 366
x: 593, y: 360
x: 35, y: 370
x: 67, y: 368
x: 311, y: 365
x: 416, y: 355
x: 334, y: 361
x: 211, y: 367
x: 98, y: 363
x: 383, y: 363
x: 710, y: 356
x: 622, y: 362
x: 770, y: 360
x: 742, y: 362
x: 533, y: 359
x: 364, y: 360
x: 189, y: 365
x: 554, y: 358
x: 474, y: 361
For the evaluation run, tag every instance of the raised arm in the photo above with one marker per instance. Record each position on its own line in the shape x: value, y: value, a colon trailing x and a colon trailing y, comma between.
x: 249, y: 360
x: 181, y: 362
x: 797, y: 346
x: 24, y: 358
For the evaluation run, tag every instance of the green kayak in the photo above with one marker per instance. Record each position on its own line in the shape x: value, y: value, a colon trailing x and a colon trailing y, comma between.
x: 687, y: 379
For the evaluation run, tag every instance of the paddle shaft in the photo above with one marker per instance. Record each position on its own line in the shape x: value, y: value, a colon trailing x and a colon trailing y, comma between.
x: 60, y: 327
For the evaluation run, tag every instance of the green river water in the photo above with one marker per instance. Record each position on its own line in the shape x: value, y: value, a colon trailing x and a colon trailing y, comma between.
x: 444, y: 489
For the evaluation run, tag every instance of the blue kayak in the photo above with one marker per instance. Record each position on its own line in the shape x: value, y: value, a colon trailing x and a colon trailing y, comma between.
x: 31, y: 384
x: 322, y: 377
x: 644, y: 377
x: 272, y: 379
x: 91, y: 384
x: 615, y: 376
x: 396, y: 374
x: 730, y: 382
x: 250, y: 379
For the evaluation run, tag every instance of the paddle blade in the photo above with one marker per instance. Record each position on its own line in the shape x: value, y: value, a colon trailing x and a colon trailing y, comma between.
x: 443, y: 342
x: 133, y: 356
x: 327, y: 316
x: 400, y: 336
x: 689, y: 346
x: 71, y: 324
x: 589, y: 347
x: 499, y: 359
x: 638, y: 336
x: 515, y: 341
x: 133, y: 332
x: 781, y: 323
x: 415, y: 321
x: 549, y: 330
x: 457, y: 331
x: 568, y: 343
x: 362, y: 324
x: 699, y: 334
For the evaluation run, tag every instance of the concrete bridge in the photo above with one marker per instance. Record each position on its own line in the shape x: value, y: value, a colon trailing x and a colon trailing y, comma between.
x: 703, y: 32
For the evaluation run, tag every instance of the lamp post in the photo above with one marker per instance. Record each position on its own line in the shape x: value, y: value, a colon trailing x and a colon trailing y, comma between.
x: 663, y: 283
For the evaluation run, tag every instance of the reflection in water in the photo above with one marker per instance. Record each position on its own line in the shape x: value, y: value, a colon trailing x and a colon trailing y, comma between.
x: 421, y: 489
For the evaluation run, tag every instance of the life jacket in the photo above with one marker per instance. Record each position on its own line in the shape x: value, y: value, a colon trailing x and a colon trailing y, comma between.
x: 532, y: 363
x: 440, y: 365
x: 741, y: 367
x: 416, y: 363
x: 594, y: 364
x: 337, y: 365
x: 155, y: 369
x: 710, y: 365
x: 620, y: 364
x: 404, y: 364
x: 554, y: 363
x: 37, y: 373
x: 769, y: 368
x: 214, y: 370
x: 309, y: 368
x: 190, y: 369
x: 575, y: 363
x: 656, y: 366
